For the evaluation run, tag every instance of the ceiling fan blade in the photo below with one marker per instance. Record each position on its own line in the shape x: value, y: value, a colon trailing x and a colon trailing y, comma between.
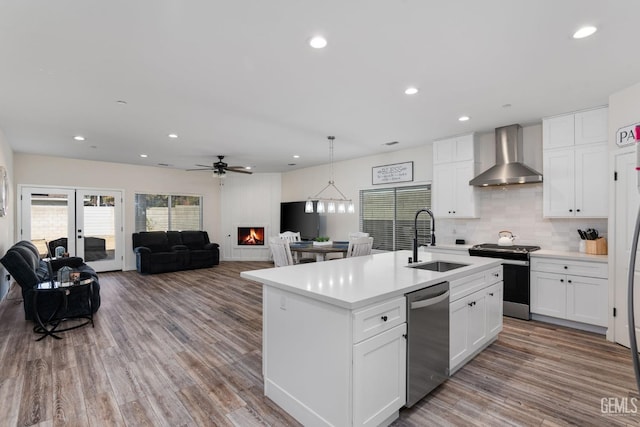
x: 205, y: 166
x: 240, y: 171
x: 208, y: 168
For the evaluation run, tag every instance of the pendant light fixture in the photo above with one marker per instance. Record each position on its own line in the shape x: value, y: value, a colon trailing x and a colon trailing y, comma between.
x: 330, y: 204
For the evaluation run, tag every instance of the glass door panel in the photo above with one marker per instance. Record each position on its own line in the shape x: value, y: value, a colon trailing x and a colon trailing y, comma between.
x: 48, y: 219
x: 98, y: 228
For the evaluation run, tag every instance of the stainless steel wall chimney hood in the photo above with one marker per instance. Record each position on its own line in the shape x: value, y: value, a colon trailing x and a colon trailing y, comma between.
x: 509, y: 168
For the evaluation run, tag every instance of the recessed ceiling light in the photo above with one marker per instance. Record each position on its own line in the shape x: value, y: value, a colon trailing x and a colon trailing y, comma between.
x: 318, y: 42
x: 296, y: 156
x: 79, y: 138
x: 584, y: 32
x: 411, y: 90
x: 463, y: 118
x: 172, y: 135
x: 144, y: 156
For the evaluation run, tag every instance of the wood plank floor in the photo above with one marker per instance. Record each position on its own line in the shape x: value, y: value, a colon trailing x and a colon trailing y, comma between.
x: 184, y: 349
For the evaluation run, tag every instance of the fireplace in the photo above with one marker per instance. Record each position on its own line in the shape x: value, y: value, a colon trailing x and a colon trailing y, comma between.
x: 251, y: 236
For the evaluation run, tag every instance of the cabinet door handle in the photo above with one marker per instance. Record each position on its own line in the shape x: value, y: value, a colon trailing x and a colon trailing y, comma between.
x: 472, y: 303
x: 384, y: 318
x: 491, y: 294
x: 568, y: 281
x: 496, y: 274
x: 566, y: 267
x: 570, y: 210
x: 561, y: 280
x: 577, y: 210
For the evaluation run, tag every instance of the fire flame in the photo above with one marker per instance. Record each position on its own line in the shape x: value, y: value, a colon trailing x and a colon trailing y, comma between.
x: 253, y: 237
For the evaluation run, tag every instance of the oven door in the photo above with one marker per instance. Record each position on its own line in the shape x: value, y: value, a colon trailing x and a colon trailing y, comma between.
x: 516, y: 289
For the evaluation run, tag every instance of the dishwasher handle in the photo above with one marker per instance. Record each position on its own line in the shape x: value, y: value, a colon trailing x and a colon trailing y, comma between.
x: 429, y: 301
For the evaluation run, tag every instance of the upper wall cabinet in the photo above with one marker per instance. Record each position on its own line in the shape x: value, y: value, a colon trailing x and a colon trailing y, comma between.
x: 454, y: 165
x: 575, y: 165
x: 455, y: 149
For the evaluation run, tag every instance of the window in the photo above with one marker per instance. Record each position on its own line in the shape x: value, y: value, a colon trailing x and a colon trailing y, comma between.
x: 160, y: 212
x: 387, y: 214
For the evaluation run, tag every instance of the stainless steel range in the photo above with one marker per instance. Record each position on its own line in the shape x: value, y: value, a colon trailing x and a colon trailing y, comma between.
x: 515, y: 275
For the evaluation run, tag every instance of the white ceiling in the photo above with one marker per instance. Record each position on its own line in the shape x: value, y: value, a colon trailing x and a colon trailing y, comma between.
x: 238, y: 78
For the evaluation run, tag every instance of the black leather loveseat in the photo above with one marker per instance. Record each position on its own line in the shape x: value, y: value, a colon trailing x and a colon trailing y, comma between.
x: 23, y: 263
x: 163, y: 251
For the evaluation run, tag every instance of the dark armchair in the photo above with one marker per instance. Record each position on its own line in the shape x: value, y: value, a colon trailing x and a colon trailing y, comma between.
x: 23, y: 263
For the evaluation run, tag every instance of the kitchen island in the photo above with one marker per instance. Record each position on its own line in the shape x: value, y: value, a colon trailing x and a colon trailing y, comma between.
x: 334, y: 349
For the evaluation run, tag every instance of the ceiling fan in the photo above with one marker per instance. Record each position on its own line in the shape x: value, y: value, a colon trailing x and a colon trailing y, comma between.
x: 220, y: 168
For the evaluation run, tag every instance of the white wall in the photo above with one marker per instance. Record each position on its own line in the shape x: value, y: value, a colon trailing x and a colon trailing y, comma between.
x: 7, y: 221
x: 56, y: 171
x: 246, y: 201
x: 350, y: 177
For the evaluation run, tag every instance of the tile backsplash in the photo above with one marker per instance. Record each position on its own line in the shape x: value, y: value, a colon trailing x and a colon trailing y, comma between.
x: 517, y: 208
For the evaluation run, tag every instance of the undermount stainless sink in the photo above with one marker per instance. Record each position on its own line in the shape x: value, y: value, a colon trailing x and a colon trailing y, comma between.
x: 440, y: 266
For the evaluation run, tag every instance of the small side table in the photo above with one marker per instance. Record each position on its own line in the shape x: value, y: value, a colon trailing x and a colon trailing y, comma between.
x: 50, y: 325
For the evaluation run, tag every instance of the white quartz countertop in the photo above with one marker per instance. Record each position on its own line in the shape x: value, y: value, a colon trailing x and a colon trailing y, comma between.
x: 577, y: 256
x: 359, y: 281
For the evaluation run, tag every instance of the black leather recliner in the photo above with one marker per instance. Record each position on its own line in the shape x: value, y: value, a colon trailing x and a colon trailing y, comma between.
x: 23, y: 263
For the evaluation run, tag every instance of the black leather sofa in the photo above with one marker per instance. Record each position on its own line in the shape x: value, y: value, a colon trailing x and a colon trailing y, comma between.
x: 164, y: 251
x: 23, y: 263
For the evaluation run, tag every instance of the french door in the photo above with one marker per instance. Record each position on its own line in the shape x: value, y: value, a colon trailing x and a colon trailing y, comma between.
x: 81, y: 222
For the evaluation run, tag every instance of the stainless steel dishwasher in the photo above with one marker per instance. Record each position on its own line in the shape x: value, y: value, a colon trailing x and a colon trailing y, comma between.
x: 427, y: 340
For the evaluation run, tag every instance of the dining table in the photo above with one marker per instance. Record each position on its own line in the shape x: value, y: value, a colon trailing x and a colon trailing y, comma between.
x: 320, y: 251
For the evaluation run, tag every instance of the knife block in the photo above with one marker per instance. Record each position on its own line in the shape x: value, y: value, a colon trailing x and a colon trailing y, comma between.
x: 597, y: 247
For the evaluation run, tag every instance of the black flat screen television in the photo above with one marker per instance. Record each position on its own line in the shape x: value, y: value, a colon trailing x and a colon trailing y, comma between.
x: 294, y: 218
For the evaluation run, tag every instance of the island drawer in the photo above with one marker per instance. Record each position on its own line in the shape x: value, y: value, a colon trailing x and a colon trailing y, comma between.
x: 467, y: 285
x: 494, y: 275
x: 378, y: 318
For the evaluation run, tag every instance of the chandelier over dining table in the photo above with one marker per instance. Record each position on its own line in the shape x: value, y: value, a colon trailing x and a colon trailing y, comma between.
x: 330, y: 204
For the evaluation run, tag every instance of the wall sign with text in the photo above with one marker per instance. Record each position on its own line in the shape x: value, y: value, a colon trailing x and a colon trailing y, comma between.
x: 626, y: 136
x: 388, y: 174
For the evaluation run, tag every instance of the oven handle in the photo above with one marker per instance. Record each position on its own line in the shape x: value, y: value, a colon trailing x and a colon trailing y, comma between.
x: 515, y: 262
x: 429, y: 301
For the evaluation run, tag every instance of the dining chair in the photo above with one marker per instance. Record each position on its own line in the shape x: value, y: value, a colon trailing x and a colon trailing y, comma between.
x: 356, y: 234
x: 359, y: 246
x: 280, y: 251
x: 292, y: 237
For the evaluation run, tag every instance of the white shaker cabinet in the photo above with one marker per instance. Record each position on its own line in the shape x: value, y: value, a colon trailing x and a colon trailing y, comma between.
x: 454, y: 165
x: 571, y: 290
x: 575, y: 165
x: 379, y: 376
x: 475, y: 315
